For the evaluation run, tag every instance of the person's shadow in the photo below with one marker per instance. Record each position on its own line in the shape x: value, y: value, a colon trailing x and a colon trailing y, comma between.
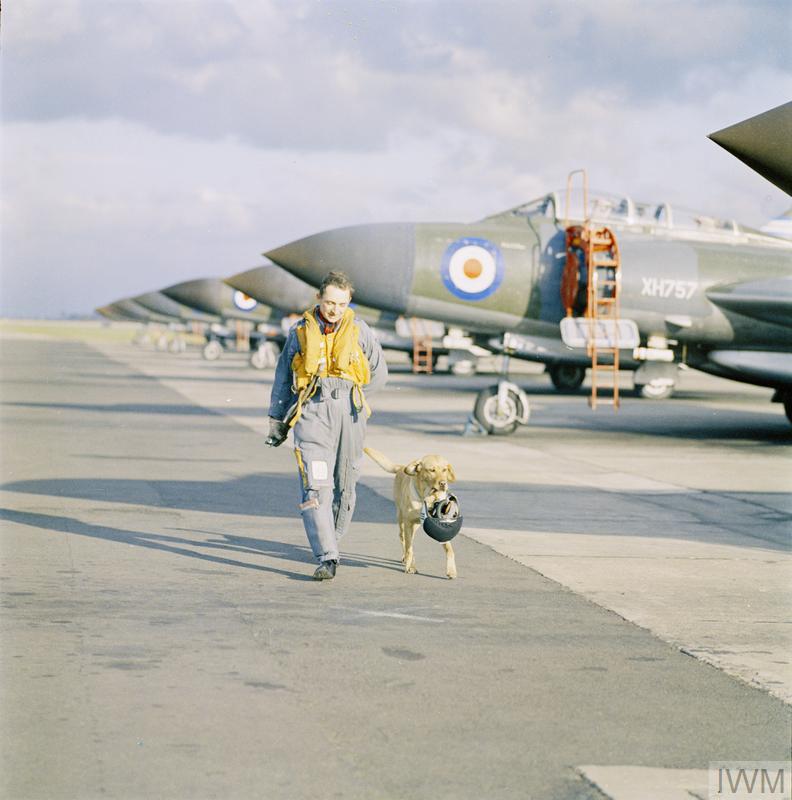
x: 224, y: 546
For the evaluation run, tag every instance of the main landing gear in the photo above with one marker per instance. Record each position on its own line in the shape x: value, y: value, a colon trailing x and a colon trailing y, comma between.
x: 212, y: 350
x: 566, y: 377
x: 655, y: 380
x: 265, y: 356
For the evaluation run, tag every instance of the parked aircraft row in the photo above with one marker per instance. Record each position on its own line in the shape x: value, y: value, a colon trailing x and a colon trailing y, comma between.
x: 260, y: 304
x: 537, y: 281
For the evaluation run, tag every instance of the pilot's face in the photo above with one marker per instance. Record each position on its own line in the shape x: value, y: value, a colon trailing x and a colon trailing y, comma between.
x: 334, y: 302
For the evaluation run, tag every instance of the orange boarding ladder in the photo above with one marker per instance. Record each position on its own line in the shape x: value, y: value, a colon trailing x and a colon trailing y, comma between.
x: 243, y: 328
x: 422, y: 347
x: 604, y: 281
x: 593, y: 252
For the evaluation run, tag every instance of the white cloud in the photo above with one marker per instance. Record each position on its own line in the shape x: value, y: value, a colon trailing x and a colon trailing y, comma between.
x: 147, y: 143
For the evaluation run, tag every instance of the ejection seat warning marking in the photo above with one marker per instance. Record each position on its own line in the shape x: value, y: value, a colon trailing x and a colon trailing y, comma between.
x: 668, y: 287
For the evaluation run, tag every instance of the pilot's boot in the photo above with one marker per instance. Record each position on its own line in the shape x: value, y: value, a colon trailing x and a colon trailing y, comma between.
x: 325, y: 571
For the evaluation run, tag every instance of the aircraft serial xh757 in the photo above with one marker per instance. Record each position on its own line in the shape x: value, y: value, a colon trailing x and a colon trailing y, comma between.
x: 626, y: 285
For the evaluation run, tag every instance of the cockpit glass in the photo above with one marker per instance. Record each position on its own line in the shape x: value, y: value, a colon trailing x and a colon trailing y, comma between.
x: 618, y: 210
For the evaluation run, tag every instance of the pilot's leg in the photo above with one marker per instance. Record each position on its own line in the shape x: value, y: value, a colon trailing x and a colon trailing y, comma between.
x: 347, y: 467
x: 315, y: 440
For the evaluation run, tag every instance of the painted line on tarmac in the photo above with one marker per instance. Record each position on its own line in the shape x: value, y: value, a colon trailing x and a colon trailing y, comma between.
x: 647, y: 783
x: 391, y: 615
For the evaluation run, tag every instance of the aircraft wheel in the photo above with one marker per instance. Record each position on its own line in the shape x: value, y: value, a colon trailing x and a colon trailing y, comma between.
x: 567, y: 377
x: 265, y: 356
x: 654, y: 390
x: 212, y: 350
x: 497, y: 421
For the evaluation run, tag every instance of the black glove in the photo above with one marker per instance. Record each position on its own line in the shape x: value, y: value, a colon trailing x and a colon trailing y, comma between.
x: 278, y: 431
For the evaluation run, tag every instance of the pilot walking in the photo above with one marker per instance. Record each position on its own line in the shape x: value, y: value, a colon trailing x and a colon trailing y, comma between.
x: 330, y: 361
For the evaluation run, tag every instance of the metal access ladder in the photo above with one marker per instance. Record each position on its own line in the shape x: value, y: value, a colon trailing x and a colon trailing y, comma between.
x: 594, y: 254
x: 422, y: 347
x: 604, y: 281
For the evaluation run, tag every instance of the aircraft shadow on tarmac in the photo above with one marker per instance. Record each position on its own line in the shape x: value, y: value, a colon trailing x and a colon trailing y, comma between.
x: 186, y: 409
x: 137, y: 376
x: 759, y: 519
x: 670, y: 419
x: 693, y: 423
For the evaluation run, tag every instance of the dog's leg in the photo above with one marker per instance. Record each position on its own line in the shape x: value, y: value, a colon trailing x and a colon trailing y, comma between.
x: 403, y: 540
x: 409, y: 555
x: 450, y: 560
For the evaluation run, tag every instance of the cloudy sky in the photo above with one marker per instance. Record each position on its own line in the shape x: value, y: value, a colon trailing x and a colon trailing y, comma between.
x: 146, y: 142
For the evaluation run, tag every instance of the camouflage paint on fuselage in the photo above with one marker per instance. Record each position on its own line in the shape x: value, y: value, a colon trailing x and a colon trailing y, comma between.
x: 505, y: 307
x: 162, y: 304
x: 273, y: 286
x: 665, y: 276
x: 213, y: 296
x: 683, y: 274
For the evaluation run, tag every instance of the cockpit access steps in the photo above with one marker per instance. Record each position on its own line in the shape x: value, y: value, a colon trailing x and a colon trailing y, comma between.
x: 422, y: 347
x: 590, y: 288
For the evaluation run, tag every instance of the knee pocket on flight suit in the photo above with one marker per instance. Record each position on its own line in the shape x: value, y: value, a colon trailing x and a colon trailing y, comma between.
x: 314, y: 470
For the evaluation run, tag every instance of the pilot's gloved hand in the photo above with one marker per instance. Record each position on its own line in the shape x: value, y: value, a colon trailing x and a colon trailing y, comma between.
x: 278, y: 431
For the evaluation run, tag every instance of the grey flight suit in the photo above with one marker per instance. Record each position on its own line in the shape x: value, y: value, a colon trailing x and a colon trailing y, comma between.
x: 328, y: 440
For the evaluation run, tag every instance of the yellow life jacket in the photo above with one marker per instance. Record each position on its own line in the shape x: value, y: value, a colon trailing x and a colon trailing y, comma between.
x: 329, y: 355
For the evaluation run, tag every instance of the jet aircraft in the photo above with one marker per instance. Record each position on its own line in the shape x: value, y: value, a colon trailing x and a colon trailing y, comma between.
x: 130, y: 310
x: 280, y: 289
x: 181, y: 315
x: 213, y: 296
x: 205, y: 303
x: 695, y: 290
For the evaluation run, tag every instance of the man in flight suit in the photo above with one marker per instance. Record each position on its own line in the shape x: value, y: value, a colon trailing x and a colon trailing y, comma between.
x: 328, y: 360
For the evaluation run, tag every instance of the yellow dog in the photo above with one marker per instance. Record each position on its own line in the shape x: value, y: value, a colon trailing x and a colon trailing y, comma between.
x: 424, y: 480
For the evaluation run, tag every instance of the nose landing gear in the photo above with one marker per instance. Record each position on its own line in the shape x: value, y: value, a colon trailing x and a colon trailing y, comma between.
x: 500, y: 409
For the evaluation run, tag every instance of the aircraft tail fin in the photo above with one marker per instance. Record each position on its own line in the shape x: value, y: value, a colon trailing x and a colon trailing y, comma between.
x: 382, y: 460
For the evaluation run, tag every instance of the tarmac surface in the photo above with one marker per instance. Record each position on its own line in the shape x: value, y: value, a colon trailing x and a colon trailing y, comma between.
x: 621, y: 617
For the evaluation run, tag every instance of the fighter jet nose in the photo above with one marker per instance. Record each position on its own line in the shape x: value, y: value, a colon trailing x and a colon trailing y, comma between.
x: 379, y: 259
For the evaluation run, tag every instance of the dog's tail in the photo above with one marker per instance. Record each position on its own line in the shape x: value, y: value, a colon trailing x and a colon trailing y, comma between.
x: 382, y: 460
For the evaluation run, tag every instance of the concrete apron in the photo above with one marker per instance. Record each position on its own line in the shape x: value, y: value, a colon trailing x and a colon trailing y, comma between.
x: 676, y: 560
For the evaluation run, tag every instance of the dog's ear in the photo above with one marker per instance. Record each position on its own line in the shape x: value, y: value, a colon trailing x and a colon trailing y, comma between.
x: 451, y: 474
x: 413, y: 467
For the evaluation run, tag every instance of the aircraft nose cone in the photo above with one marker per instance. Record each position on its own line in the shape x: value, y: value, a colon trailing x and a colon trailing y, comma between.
x: 378, y: 258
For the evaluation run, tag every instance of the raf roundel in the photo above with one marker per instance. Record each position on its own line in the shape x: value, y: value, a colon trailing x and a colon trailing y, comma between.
x: 472, y: 268
x: 243, y: 302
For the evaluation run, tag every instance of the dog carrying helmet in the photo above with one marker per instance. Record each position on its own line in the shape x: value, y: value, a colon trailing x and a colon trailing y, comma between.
x: 444, y: 521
